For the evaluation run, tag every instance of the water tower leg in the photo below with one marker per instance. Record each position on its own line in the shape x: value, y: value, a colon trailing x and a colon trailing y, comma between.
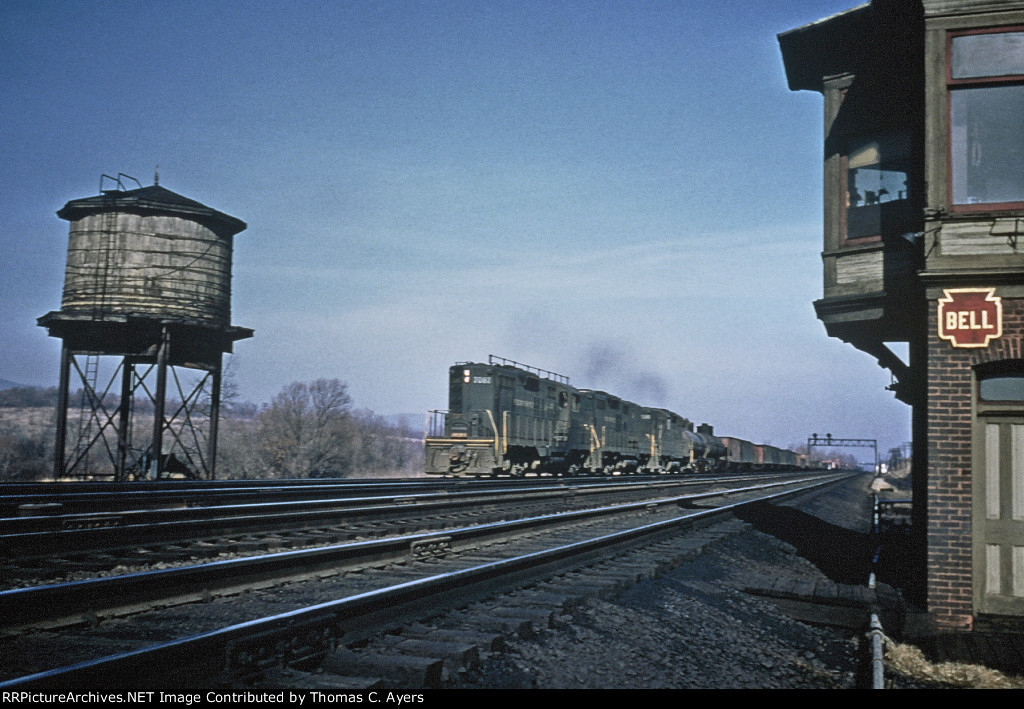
x: 62, y: 411
x: 158, y: 405
x: 124, y: 409
x: 214, y: 417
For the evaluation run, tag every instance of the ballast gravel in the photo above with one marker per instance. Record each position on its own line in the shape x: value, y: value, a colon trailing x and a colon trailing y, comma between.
x: 693, y: 627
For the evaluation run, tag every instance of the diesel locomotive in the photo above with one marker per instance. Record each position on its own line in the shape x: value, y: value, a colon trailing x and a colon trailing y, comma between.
x: 506, y: 418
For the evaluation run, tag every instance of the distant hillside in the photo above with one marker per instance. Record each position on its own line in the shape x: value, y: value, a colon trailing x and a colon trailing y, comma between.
x: 8, y: 384
x: 27, y: 397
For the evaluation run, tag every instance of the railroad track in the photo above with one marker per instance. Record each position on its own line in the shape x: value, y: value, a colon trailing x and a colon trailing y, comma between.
x: 68, y: 498
x: 345, y: 619
x: 21, y: 499
x: 43, y: 548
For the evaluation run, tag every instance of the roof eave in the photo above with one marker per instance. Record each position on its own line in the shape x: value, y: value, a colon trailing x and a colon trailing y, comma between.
x: 821, y: 48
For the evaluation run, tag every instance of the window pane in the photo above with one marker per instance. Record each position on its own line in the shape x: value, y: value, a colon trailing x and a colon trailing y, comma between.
x: 1009, y: 387
x: 987, y: 144
x: 992, y: 569
x: 876, y: 184
x: 1017, y: 472
x: 992, y: 502
x: 998, y: 54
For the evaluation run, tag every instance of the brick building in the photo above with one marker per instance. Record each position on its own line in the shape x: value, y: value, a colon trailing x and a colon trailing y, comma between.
x: 923, y: 227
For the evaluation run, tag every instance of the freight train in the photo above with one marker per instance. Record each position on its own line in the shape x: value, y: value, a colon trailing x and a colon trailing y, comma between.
x: 506, y: 418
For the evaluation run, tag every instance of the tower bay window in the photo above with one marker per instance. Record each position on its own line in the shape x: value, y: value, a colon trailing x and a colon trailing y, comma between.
x: 877, y: 194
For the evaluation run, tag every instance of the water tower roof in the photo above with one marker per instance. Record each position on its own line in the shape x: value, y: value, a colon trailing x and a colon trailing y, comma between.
x: 151, y: 200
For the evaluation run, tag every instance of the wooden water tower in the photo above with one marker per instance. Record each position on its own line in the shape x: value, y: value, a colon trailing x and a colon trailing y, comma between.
x: 146, y: 309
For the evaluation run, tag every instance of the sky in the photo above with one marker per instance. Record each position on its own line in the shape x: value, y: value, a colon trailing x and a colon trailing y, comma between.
x: 626, y: 193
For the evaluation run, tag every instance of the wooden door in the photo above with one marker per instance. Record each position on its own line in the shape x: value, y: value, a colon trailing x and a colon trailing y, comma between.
x: 998, y: 495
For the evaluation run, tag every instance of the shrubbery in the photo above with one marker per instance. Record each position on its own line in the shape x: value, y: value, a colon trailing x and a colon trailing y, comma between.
x: 307, y: 430
x: 311, y: 430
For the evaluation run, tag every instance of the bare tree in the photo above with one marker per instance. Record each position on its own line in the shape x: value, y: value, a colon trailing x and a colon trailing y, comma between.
x: 304, y: 431
x: 311, y: 429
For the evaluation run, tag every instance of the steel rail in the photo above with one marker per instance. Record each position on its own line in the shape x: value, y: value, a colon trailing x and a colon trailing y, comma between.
x: 210, y: 654
x: 64, y: 522
x: 80, y: 498
x: 53, y: 605
x: 117, y: 531
x: 9, y: 527
x: 48, y: 520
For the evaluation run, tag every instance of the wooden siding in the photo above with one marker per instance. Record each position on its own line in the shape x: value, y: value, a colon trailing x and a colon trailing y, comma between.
x: 980, y: 239
x: 148, y: 265
x: 861, y: 269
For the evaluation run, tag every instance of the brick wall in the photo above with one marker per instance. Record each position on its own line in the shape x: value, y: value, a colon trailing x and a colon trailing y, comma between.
x: 949, y: 462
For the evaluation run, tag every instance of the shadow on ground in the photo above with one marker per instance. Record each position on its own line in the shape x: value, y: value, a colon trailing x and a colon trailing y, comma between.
x: 845, y: 556
x: 841, y: 554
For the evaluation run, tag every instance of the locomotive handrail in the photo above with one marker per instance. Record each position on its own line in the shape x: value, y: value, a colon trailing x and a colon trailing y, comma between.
x: 435, y: 425
x: 494, y: 427
x: 547, y: 374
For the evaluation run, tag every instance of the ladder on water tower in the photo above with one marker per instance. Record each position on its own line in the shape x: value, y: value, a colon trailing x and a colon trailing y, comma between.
x: 90, y: 429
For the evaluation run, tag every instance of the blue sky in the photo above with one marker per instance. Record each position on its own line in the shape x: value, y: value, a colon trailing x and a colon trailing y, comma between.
x: 624, y: 192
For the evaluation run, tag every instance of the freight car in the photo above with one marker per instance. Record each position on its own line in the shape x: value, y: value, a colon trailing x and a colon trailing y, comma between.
x: 506, y: 418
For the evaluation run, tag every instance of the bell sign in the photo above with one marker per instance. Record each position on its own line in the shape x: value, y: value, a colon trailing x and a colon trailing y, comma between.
x: 970, y: 317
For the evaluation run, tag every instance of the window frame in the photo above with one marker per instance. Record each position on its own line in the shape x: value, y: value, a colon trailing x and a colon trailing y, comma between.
x: 990, y: 370
x: 974, y: 82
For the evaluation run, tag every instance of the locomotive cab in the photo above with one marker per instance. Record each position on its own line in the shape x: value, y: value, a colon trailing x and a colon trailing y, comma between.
x: 504, y: 418
x: 463, y: 439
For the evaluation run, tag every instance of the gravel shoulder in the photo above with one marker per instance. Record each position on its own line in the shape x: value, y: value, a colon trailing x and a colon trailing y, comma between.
x: 693, y: 627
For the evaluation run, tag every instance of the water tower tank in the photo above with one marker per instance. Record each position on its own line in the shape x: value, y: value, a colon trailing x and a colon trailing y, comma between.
x: 148, y: 252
